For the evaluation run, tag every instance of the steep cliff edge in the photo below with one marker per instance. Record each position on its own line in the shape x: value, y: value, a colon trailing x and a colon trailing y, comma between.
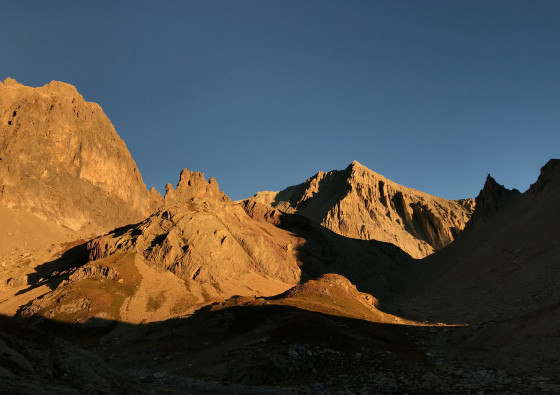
x: 61, y: 159
x: 359, y: 203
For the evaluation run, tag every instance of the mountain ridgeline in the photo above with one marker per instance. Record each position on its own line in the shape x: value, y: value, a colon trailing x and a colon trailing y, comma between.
x: 108, y: 287
x: 359, y: 203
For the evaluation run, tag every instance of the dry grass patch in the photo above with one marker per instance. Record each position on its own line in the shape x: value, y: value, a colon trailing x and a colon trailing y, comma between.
x: 155, y: 302
x: 77, y: 301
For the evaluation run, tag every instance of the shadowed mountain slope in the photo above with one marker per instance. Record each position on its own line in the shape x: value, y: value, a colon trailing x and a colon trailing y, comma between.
x: 492, y: 198
x: 359, y: 203
x: 61, y: 159
x: 501, y: 277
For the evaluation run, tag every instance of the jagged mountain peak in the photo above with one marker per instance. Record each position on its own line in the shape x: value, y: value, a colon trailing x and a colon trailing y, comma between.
x: 357, y: 166
x: 492, y: 188
x: 193, y: 185
x: 492, y: 198
x: 491, y: 184
x: 356, y: 170
x: 359, y: 203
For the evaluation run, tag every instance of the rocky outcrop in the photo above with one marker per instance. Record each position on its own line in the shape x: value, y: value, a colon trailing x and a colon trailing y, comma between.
x: 200, y: 235
x: 359, y: 203
x: 101, y: 272
x: 262, y: 212
x: 61, y: 159
x: 492, y: 198
x: 193, y: 185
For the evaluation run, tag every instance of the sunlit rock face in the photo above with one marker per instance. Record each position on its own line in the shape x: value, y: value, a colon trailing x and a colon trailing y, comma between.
x: 62, y: 160
x: 200, y: 235
x: 193, y: 185
x: 359, y: 203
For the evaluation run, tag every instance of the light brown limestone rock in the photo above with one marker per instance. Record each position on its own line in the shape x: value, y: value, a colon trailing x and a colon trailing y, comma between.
x: 61, y: 159
x: 359, y: 203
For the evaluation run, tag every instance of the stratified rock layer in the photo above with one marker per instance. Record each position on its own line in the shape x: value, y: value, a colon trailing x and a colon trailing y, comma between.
x: 61, y: 159
x: 359, y: 203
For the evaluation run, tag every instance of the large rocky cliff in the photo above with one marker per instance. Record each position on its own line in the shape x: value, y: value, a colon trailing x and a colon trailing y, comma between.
x: 359, y: 203
x: 61, y: 159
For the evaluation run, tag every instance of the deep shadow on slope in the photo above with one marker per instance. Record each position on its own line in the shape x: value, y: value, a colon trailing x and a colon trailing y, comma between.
x: 75, y: 254
x: 36, y: 358
x: 374, y: 267
x: 332, y: 187
x: 243, y: 349
x: 243, y: 345
x: 359, y: 203
x: 53, y: 272
x: 504, y: 266
x: 501, y: 278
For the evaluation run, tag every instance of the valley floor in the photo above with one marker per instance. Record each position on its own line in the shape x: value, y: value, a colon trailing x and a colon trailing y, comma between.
x: 247, y: 345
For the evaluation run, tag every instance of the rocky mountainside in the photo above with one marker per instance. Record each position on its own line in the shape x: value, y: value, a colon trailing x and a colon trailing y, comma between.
x: 201, y: 236
x: 200, y: 248
x: 305, y: 290
x: 501, y: 279
x: 61, y: 159
x: 359, y: 203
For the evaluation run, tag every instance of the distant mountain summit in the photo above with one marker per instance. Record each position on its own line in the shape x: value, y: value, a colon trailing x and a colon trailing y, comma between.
x: 359, y: 203
x: 61, y: 159
x: 492, y: 198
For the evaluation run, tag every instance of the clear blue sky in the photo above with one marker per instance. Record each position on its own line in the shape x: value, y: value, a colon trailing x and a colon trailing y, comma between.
x: 263, y: 94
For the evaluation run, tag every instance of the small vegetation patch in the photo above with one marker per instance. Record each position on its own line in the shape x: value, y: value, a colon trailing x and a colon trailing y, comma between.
x: 205, y: 295
x: 155, y: 302
x: 216, y: 287
x: 183, y: 304
x: 79, y: 300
